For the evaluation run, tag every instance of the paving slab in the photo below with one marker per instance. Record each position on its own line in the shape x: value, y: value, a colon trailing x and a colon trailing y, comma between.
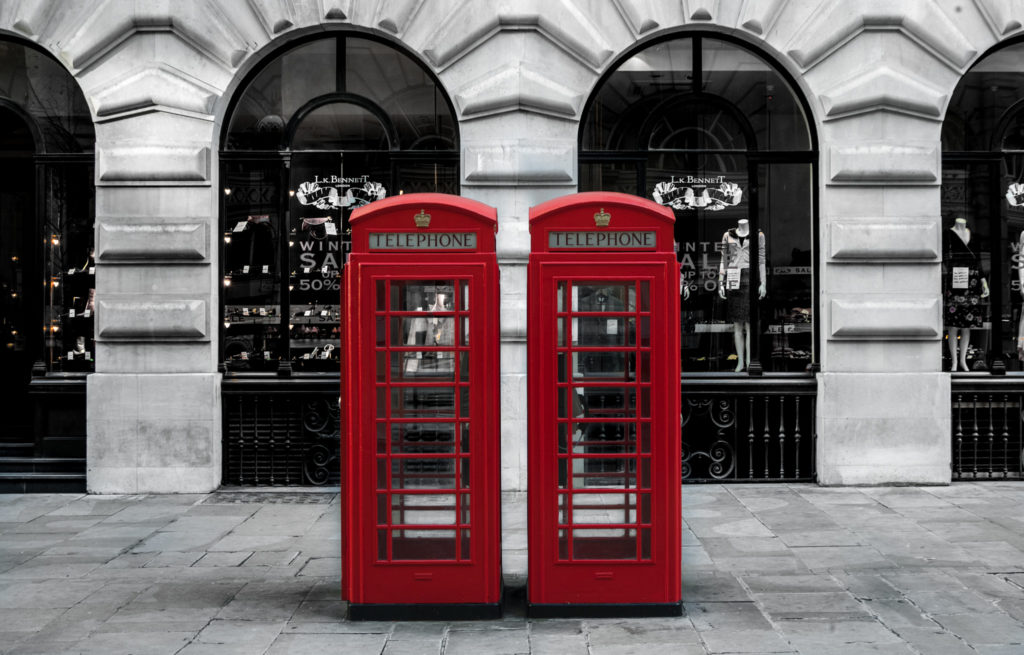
x: 742, y: 640
x: 789, y: 568
x: 726, y: 616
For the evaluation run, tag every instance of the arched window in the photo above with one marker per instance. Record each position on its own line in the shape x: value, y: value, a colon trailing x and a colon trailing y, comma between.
x: 983, y: 216
x: 46, y: 238
x: 718, y: 132
x: 316, y: 131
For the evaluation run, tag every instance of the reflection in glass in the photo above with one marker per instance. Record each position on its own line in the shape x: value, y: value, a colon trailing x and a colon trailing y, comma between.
x: 431, y: 296
x: 422, y: 544
x: 251, y: 287
x: 423, y: 437
x: 604, y: 472
x: 600, y: 331
x: 604, y: 297
x: 604, y: 438
x: 603, y: 365
x: 423, y: 473
x: 423, y: 331
x: 675, y: 123
x: 422, y: 509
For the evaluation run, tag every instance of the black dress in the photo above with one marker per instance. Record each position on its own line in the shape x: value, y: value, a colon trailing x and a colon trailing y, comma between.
x: 963, y: 306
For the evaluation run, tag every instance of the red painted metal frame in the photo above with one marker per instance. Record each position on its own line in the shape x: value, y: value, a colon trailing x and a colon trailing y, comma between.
x: 471, y: 580
x: 559, y: 579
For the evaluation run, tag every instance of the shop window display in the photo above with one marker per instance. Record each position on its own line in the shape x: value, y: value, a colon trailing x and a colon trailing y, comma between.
x: 47, y: 269
x: 715, y: 131
x: 983, y: 217
x: 326, y: 127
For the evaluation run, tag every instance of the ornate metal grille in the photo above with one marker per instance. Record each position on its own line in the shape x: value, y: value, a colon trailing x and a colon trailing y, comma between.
x: 281, y: 434
x: 748, y: 430
x: 987, y: 427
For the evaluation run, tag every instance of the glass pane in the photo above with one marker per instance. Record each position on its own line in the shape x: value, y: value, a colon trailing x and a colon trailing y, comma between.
x: 42, y: 87
x: 622, y: 177
x: 284, y: 85
x: 715, y: 247
x: 422, y: 509
x: 600, y: 331
x: 604, y: 508
x: 69, y: 265
x: 341, y: 126
x: 978, y: 106
x: 1008, y: 282
x: 601, y: 544
x: 607, y: 402
x: 603, y: 365
x: 407, y: 402
x: 422, y: 295
x: 604, y: 438
x: 603, y: 472
x: 423, y: 544
x: 631, y: 93
x: 650, y: 101
x: 404, y: 89
x: 423, y: 473
x: 602, y: 297
x: 466, y: 545
x: 787, y: 311
x: 755, y: 91
x: 20, y: 324
x: 422, y: 366
x: 441, y: 176
x: 251, y: 285
x: 323, y: 189
x: 970, y: 236
x: 417, y: 438
x: 427, y: 330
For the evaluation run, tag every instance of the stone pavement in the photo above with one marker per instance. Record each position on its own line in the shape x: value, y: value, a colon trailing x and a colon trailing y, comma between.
x: 766, y: 569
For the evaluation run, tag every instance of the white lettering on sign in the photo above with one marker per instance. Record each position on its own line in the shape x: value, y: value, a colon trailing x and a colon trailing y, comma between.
x: 604, y: 240
x: 422, y: 240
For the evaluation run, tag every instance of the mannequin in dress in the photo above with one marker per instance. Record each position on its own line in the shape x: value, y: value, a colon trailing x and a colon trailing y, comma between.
x: 965, y: 287
x: 734, y: 284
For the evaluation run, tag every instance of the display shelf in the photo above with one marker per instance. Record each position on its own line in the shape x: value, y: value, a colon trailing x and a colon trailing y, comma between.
x: 313, y: 343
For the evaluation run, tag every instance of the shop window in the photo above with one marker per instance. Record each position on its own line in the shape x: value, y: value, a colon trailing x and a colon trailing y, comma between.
x: 983, y: 217
x: 317, y: 131
x: 47, y: 281
x: 717, y: 132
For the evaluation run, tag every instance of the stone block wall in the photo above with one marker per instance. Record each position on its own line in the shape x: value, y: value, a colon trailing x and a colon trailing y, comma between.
x: 159, y: 76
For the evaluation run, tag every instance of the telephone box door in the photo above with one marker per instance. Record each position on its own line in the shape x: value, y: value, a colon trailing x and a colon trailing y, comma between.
x: 604, y: 439
x: 422, y: 492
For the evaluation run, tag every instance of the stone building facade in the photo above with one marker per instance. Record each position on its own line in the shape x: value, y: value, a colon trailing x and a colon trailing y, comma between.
x: 160, y: 79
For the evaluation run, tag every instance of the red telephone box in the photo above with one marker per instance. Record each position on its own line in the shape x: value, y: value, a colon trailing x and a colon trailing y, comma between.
x: 604, y: 441
x: 420, y: 445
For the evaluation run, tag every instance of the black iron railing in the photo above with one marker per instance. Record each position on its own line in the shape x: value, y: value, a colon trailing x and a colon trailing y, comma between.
x: 281, y: 433
x: 286, y: 433
x: 748, y: 429
x: 987, y: 425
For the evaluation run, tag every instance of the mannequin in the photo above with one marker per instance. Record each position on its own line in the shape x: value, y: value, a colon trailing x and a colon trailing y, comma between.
x: 734, y: 284
x: 964, y: 289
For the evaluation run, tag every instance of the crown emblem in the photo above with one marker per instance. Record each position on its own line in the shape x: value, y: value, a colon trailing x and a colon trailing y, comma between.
x: 602, y: 218
x: 422, y: 219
